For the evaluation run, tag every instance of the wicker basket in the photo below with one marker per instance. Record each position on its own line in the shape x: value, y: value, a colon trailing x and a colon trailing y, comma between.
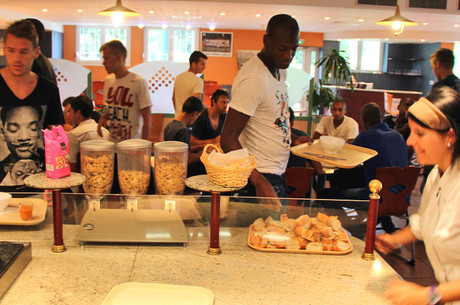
x: 228, y: 176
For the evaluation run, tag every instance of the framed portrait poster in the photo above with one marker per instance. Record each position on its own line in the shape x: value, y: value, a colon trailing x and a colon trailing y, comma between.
x: 217, y: 43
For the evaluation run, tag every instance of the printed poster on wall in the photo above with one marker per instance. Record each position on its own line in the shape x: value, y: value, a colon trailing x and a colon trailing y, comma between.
x: 217, y: 44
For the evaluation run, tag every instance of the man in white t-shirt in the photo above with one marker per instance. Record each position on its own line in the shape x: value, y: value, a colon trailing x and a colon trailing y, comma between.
x: 85, y: 128
x: 126, y: 96
x: 187, y: 83
x: 338, y: 124
x: 258, y: 118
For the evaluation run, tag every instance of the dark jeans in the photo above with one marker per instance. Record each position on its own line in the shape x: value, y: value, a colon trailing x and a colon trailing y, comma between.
x: 278, y: 183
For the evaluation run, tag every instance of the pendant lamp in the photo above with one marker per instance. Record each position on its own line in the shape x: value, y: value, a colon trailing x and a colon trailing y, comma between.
x: 397, y: 22
x: 118, y: 12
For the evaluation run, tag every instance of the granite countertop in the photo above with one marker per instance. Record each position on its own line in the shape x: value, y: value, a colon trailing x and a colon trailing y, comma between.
x: 85, y: 274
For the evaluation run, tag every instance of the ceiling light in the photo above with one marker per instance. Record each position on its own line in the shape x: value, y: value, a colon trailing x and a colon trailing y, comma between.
x: 222, y: 14
x: 327, y: 18
x: 258, y: 15
x: 44, y: 10
x: 360, y: 20
x: 397, y: 22
x: 386, y: 39
x: 293, y: 17
x: 422, y: 40
x: 187, y: 13
x: 151, y: 12
x: 140, y: 25
x: 80, y: 10
x: 456, y: 25
x: 118, y: 12
x: 425, y: 23
x: 188, y: 27
x: 212, y: 27
x: 164, y: 26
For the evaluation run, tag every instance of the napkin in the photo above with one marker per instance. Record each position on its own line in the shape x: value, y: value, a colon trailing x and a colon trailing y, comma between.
x: 228, y: 159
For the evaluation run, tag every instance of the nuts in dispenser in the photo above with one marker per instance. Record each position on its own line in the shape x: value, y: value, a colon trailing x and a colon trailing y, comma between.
x: 170, y: 174
x: 133, y: 182
x: 98, y: 168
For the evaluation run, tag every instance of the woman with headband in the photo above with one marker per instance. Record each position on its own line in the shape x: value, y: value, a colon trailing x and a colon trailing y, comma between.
x: 434, y: 122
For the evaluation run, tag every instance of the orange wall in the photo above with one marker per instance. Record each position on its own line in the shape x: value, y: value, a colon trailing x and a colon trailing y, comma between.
x: 220, y: 69
x: 447, y: 45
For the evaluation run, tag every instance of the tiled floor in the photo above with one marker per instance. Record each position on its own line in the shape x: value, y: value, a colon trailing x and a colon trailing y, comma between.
x: 422, y: 273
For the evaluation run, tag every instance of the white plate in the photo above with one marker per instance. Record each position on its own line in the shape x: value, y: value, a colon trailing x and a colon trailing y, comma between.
x: 159, y: 294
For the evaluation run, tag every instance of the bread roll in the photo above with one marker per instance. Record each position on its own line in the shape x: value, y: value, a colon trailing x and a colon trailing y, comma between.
x: 288, y: 225
x: 293, y: 243
x: 341, y: 246
x: 334, y: 223
x: 255, y: 240
x: 308, y: 235
x: 322, y: 217
x: 284, y: 217
x: 264, y: 243
x: 303, y: 243
x: 327, y: 247
x: 298, y: 231
x: 303, y: 220
x: 268, y: 220
x: 317, y: 247
x: 275, y: 226
x: 259, y: 224
x: 326, y: 232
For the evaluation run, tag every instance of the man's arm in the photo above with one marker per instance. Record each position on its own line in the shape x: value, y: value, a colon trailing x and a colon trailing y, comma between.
x: 233, y: 126
x: 316, y: 135
x: 174, y: 100
x: 195, y: 142
x: 146, y: 127
x: 102, y: 122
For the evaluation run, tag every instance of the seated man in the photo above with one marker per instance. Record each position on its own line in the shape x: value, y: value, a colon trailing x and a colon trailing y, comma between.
x: 392, y: 151
x: 85, y: 128
x: 338, y: 124
x: 401, y: 123
x: 293, y: 159
x: 208, y: 126
x: 178, y: 130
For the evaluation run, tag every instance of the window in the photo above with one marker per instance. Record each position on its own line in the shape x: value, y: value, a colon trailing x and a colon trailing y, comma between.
x: 457, y: 59
x: 91, y: 38
x: 378, y: 2
x: 439, y: 4
x: 365, y: 55
x: 170, y: 44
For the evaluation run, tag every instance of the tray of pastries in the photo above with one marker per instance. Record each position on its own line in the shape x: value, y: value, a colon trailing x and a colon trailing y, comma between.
x: 322, y: 234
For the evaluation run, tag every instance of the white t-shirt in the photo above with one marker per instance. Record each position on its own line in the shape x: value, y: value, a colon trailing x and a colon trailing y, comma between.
x: 267, y: 136
x: 186, y: 84
x: 437, y: 223
x: 125, y: 97
x: 347, y: 130
x: 85, y: 131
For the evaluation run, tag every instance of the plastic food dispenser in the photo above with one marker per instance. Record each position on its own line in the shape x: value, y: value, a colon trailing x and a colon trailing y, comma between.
x: 170, y: 167
x: 134, y: 166
x: 97, y: 161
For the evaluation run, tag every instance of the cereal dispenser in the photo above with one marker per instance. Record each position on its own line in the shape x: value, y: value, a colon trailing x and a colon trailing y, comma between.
x: 134, y: 166
x: 170, y: 167
x: 96, y: 158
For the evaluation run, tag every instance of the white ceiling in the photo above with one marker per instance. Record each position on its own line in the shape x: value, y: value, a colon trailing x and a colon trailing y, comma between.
x: 240, y: 14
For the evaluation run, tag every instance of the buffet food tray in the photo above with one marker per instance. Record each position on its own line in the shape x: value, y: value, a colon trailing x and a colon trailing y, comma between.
x: 158, y: 294
x: 348, y: 157
x: 13, y: 218
x: 251, y: 232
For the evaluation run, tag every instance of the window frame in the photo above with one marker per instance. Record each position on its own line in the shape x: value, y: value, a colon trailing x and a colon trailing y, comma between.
x: 103, y: 29
x: 358, y: 69
x: 170, y: 41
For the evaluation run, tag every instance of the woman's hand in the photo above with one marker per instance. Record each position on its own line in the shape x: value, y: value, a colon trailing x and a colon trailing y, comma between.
x: 406, y: 293
x: 386, y: 243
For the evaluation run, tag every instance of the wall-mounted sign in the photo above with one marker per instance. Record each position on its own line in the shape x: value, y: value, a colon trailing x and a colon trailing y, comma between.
x: 217, y: 44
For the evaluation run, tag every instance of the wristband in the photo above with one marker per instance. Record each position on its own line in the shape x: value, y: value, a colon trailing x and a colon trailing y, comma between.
x: 434, y: 298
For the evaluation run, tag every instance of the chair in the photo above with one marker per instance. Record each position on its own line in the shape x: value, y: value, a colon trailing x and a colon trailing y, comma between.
x: 299, y: 179
x: 392, y: 204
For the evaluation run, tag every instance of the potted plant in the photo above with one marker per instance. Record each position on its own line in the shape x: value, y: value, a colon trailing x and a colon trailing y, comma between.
x: 334, y: 65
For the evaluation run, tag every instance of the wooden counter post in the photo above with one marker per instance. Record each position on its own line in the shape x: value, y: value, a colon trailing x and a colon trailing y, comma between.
x: 374, y: 186
x: 58, y: 245
x: 214, y: 247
